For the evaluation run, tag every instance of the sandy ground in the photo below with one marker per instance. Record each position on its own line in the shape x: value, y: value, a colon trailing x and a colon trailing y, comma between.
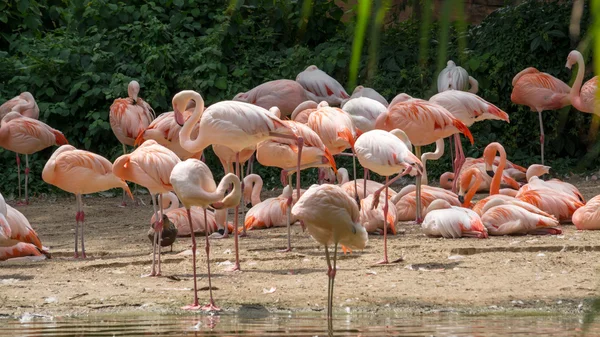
x: 527, y: 273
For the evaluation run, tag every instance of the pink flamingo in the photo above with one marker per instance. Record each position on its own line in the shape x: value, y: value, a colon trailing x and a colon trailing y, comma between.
x: 372, y: 218
x: 323, y: 86
x: 482, y: 182
x: 194, y: 184
x: 511, y: 170
x: 406, y: 203
x: 80, y: 172
x: 443, y: 219
x: 331, y: 217
x: 284, y: 94
x: 361, y: 91
x: 17, y: 237
x: 303, y: 110
x: 515, y: 217
x: 454, y: 77
x: 587, y: 217
x: 560, y: 205
x: 386, y: 153
x: 539, y: 91
x: 535, y: 183
x: 149, y: 165
x: 582, y: 98
x: 236, y: 125
x: 25, y: 135
x: 364, y: 111
x: 423, y: 122
x: 363, y: 191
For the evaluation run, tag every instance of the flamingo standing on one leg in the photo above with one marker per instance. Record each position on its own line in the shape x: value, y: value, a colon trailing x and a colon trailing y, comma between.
x: 583, y: 97
x: 323, y: 86
x: 129, y: 117
x: 80, y: 172
x: 539, y: 91
x: 284, y: 94
x: 26, y: 105
x: 331, y: 217
x: 386, y: 153
x: 150, y: 165
x: 454, y: 77
x: 194, y: 184
x: 26, y: 135
x: 236, y: 125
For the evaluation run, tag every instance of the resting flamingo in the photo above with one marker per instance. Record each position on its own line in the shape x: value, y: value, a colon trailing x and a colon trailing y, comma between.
x: 80, y: 172
x: 19, y: 232
x: 454, y: 77
x: 365, y: 187
x: 424, y: 123
x: 323, y: 86
x: 515, y: 217
x: 582, y: 98
x: 331, y: 217
x: 361, y: 91
x: 406, y: 203
x: 511, y: 170
x: 386, y: 153
x: 194, y: 184
x: 236, y: 125
x: 284, y: 94
x: 475, y: 179
x: 560, y: 205
x: 303, y: 110
x: 26, y: 105
x: 443, y: 219
x: 539, y: 91
x: 372, y: 218
x: 535, y: 183
x: 587, y: 217
x: 150, y: 165
x: 25, y: 135
x: 9, y: 247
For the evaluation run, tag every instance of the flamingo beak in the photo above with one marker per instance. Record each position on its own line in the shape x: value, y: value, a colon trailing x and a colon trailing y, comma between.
x: 178, y: 116
x: 461, y: 199
x: 490, y: 173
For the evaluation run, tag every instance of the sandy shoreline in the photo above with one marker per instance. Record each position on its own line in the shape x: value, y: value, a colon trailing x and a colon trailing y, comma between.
x: 537, y: 274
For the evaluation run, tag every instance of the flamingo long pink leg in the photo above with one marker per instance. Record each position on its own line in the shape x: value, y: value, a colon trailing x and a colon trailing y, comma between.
x: 541, y: 135
x: 20, y: 202
x: 289, y: 216
x: 236, y: 219
x: 419, y: 218
x: 458, y: 162
x: 385, y: 211
x: 366, y: 174
x: 82, y: 219
x: 211, y: 305
x: 123, y: 202
x: 243, y: 203
x: 77, y: 217
x: 159, y: 228
x: 26, y: 179
x: 195, y: 305
x: 154, y: 241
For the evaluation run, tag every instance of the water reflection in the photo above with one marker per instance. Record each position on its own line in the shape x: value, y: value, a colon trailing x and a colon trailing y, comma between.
x: 295, y: 325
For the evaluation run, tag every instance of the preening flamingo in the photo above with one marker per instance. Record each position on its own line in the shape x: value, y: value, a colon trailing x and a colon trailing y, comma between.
x: 25, y: 135
x: 406, y: 203
x: 423, y: 122
x: 303, y: 110
x: 236, y: 125
x: 476, y: 179
x: 387, y: 153
x: 17, y: 237
x: 323, y: 86
x: 26, y: 105
x: 511, y: 170
x: 587, y: 217
x: 149, y: 165
x: 443, y: 219
x: 364, y: 111
x: 81, y: 172
x: 515, y: 217
x: 535, y: 183
x: 539, y: 91
x: 582, y: 98
x: 331, y: 217
x: 361, y: 91
x: 454, y: 77
x: 284, y: 94
x: 194, y: 184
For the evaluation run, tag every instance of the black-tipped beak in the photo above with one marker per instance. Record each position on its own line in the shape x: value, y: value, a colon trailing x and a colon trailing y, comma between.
x: 490, y: 173
x: 461, y: 199
x: 178, y: 116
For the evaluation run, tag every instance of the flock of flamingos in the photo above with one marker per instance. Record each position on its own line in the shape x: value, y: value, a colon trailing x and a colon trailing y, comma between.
x: 293, y: 125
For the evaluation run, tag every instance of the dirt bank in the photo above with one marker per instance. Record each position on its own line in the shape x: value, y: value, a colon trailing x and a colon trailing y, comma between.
x: 540, y: 273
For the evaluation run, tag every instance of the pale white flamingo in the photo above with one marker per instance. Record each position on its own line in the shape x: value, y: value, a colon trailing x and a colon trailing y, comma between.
x: 361, y: 91
x: 303, y: 110
x: 406, y: 203
x: 323, y: 86
x: 443, y: 219
x: 364, y: 111
x: 454, y: 77
x: 515, y: 217
x: 284, y: 94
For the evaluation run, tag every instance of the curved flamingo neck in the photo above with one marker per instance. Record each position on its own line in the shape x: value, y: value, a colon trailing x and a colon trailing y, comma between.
x: 473, y: 189
x: 575, y: 93
x: 439, y: 151
x: 233, y: 198
x: 255, y: 182
x: 173, y: 202
x: 198, y: 144
x: 495, y: 185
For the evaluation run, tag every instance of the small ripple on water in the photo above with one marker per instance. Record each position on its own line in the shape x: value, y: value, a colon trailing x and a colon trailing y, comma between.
x: 292, y: 325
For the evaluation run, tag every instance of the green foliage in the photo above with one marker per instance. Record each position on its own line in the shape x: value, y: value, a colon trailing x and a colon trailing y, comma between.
x: 79, y: 56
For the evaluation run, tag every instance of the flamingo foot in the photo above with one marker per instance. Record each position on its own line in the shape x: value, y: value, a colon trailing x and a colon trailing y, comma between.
x: 192, y: 307
x: 419, y: 221
x: 152, y: 274
x: 123, y: 204
x: 286, y: 250
x: 243, y: 234
x: 210, y: 307
x: 384, y: 261
x: 235, y: 268
x: 76, y: 256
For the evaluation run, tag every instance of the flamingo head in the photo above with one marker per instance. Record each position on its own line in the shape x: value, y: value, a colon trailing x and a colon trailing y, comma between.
x: 489, y: 155
x: 133, y: 89
x: 242, y: 97
x: 180, y: 102
x: 573, y: 57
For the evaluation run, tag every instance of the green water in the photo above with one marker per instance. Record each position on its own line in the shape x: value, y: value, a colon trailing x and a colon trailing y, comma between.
x: 297, y: 325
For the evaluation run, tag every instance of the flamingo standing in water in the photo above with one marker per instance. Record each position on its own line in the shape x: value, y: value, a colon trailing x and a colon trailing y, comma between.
x: 26, y: 135
x: 284, y: 94
x: 236, y: 125
x: 323, y: 86
x: 331, y: 217
x: 129, y: 117
x: 583, y: 97
x: 454, y: 77
x: 424, y: 123
x: 26, y: 105
x: 386, y: 153
x: 150, y: 165
x: 194, y: 184
x: 539, y: 91
x: 81, y: 172
x: 443, y: 219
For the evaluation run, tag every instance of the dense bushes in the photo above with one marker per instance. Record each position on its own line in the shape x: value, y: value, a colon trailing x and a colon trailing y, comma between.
x: 77, y: 56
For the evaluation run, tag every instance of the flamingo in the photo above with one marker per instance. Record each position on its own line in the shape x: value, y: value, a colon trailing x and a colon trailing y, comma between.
x: 323, y: 86
x: 361, y: 91
x: 510, y: 217
x: 561, y: 205
x: 284, y: 94
x: 129, y: 117
x: 405, y: 200
x: 454, y: 77
x: 365, y: 187
x: 364, y: 112
x: 371, y: 218
x: 282, y: 153
x: 194, y: 184
x: 149, y: 165
x: 582, y: 98
x: 587, y: 217
x: 386, y: 153
x: 469, y: 187
x: 539, y: 91
x: 25, y: 135
x: 303, y: 110
x: 331, y: 217
x: 17, y: 233
x: 236, y: 125
x: 26, y: 105
x: 80, y: 172
x: 443, y: 219
x: 511, y: 170
x: 423, y: 122
x: 535, y: 183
